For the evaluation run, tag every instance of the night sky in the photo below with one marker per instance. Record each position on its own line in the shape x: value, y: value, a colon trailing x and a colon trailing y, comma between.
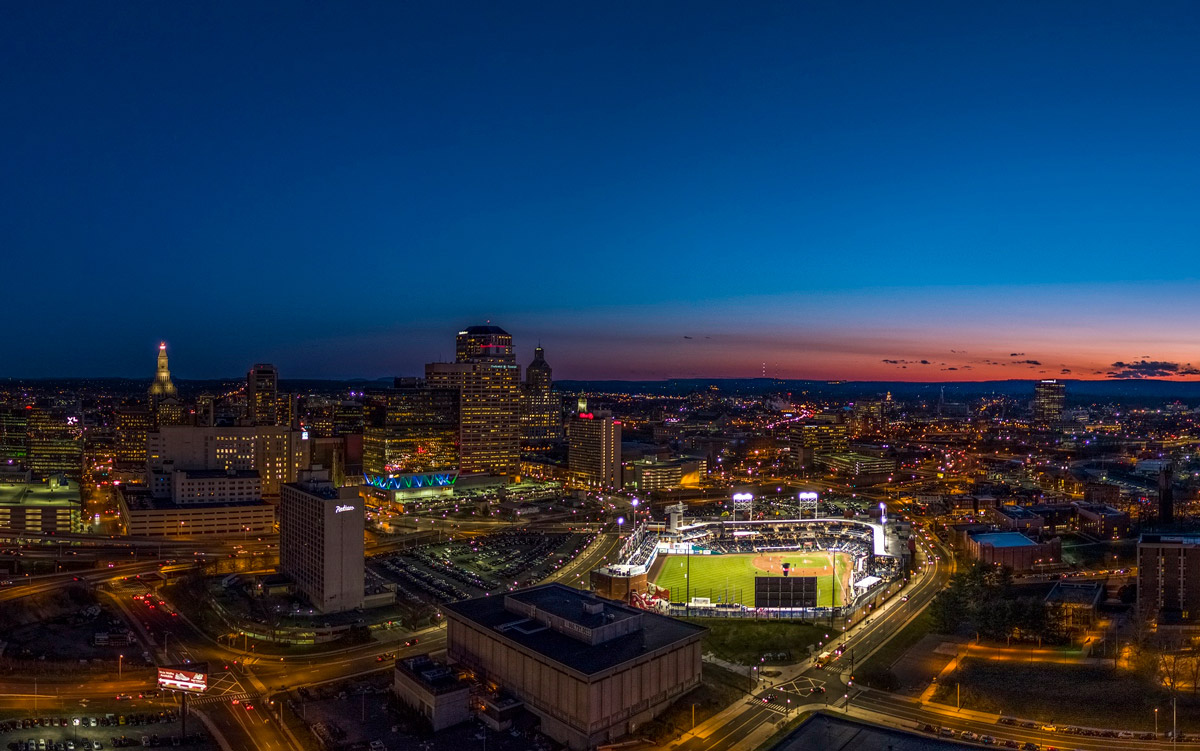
x: 909, y: 191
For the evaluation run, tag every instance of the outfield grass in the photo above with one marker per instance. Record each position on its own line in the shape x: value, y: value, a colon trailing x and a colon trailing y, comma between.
x: 730, y: 578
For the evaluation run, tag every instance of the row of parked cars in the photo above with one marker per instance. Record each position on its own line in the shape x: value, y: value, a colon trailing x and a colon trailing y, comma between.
x: 1094, y: 732
x: 139, y: 718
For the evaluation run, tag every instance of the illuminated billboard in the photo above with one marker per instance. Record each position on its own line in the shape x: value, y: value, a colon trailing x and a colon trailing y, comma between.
x: 182, y: 680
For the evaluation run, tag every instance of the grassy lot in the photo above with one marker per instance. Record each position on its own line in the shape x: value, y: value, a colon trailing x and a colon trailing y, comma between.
x: 746, y: 641
x: 1109, y: 554
x: 1090, y: 696
x: 730, y: 578
x: 876, y: 671
x: 719, y: 688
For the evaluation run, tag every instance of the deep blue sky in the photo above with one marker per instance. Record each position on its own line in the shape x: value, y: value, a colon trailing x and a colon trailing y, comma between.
x: 817, y: 187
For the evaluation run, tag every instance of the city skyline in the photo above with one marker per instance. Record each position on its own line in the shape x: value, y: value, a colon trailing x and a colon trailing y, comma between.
x: 817, y: 192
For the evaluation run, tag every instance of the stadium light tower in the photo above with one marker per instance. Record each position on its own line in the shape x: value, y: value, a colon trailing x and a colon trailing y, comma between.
x: 743, y: 502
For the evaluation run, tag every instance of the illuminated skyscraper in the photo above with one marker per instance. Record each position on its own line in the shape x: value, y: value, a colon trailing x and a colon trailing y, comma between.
x: 594, y: 449
x: 411, y: 429
x: 165, y: 406
x: 162, y: 386
x: 262, y: 391
x: 485, y: 375
x: 541, y: 410
x: 133, y: 423
x: 1048, y: 398
x: 14, y: 435
x: 55, y: 443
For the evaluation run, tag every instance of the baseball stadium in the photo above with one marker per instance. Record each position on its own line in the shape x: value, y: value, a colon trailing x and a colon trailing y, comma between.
x: 752, y: 568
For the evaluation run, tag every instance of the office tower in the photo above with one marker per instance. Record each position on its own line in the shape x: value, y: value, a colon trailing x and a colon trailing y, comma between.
x: 206, y: 414
x: 1048, y: 398
x: 486, y: 376
x: 821, y: 438
x: 55, y: 443
x: 1168, y: 585
x: 133, y: 423
x: 541, y: 410
x: 1166, y: 495
x: 14, y: 435
x: 594, y: 449
x: 321, y: 541
x: 262, y: 390
x: 411, y: 429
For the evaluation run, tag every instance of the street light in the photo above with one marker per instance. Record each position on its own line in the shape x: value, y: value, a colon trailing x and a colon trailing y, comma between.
x: 121, y: 662
x: 1156, y: 722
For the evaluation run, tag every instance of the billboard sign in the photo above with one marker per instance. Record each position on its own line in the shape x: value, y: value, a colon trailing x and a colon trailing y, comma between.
x: 182, y: 680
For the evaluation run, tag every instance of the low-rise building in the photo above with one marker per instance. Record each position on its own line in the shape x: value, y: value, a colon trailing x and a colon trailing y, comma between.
x: 592, y: 670
x: 1099, y: 520
x: 142, y: 515
x: 433, y: 690
x: 1016, y: 518
x: 1014, y: 550
x: 1075, y: 603
x: 40, y: 507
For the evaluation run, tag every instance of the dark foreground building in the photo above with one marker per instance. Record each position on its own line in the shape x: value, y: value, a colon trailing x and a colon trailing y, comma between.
x: 591, y: 669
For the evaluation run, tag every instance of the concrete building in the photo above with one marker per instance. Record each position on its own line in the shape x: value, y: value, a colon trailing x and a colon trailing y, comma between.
x: 594, y: 449
x: 592, y: 670
x: 861, y: 468
x: 276, y: 452
x: 1013, y: 549
x: 647, y: 475
x: 1075, y: 604
x: 485, y: 375
x: 1168, y: 585
x: 1016, y: 518
x: 433, y: 690
x: 142, y: 515
x: 321, y: 541
x: 1100, y: 520
x: 190, y: 487
x: 40, y: 507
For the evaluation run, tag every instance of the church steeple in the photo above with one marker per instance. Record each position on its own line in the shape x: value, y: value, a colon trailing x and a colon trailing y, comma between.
x: 162, y: 386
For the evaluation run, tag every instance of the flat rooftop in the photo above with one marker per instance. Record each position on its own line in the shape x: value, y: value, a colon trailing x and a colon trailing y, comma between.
x: 1002, y: 539
x: 823, y: 732
x: 657, y: 631
x: 1076, y: 593
x: 39, y: 493
x: 1016, y: 512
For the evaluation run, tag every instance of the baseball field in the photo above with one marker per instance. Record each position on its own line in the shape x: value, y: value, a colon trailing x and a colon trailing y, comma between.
x: 730, y: 578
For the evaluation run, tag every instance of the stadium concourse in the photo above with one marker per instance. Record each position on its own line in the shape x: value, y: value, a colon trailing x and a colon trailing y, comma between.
x: 737, y: 568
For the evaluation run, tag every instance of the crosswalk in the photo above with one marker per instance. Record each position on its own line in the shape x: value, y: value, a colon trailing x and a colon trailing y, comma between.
x: 229, y: 698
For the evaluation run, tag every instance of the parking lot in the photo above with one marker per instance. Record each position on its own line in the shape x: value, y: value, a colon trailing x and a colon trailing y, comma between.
x: 490, y: 564
x: 151, y: 729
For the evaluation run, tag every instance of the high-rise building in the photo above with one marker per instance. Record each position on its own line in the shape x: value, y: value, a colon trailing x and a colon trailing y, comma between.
x: 14, y: 435
x: 541, y: 409
x: 821, y: 438
x: 162, y: 386
x: 321, y: 541
x: 133, y: 424
x: 1048, y: 399
x: 262, y: 391
x: 486, y: 376
x: 411, y: 429
x: 1168, y: 586
x: 1166, y: 495
x: 594, y: 449
x: 55, y: 443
